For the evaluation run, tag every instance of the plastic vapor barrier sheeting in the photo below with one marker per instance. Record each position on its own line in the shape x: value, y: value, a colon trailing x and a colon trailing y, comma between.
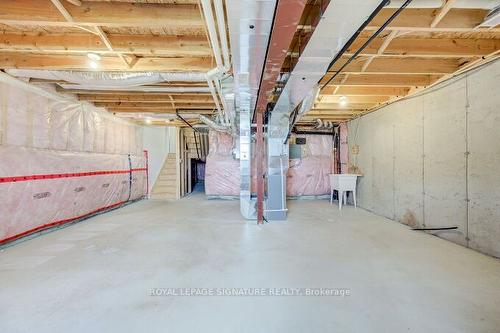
x: 61, y: 162
x: 306, y: 176
x: 309, y: 174
x: 222, y: 171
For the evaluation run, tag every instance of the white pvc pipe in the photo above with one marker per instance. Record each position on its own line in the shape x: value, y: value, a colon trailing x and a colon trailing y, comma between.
x: 212, y: 77
x: 223, y: 66
x: 214, y: 94
x: 221, y: 23
x: 223, y: 101
x: 209, y: 18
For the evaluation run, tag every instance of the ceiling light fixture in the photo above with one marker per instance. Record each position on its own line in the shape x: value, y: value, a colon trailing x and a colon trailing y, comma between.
x: 93, y: 64
x: 94, y: 56
x: 148, y: 121
x: 343, y: 100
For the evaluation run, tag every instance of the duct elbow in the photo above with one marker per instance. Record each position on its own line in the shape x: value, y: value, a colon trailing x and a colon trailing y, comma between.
x: 213, y: 125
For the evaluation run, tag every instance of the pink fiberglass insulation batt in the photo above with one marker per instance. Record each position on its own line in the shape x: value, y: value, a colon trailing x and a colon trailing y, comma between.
x: 61, y: 161
x: 306, y: 176
x: 222, y: 171
x: 40, y: 188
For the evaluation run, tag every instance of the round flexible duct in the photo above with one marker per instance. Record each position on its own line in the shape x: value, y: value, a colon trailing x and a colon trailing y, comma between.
x: 108, y: 79
x: 213, y: 125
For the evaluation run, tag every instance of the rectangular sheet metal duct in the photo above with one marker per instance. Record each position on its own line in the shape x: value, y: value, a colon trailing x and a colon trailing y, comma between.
x: 339, y: 22
x: 286, y: 20
x: 249, y: 30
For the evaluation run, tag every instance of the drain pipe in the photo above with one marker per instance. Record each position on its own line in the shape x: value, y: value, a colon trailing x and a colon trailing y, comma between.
x: 206, y: 6
x: 215, y: 90
x: 221, y: 23
x: 210, y: 81
x: 222, y: 60
x: 224, y: 103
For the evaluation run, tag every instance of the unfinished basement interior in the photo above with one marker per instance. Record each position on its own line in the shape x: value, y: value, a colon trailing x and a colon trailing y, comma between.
x: 250, y: 166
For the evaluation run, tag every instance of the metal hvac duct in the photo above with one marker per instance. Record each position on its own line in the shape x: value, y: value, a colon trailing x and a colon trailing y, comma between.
x: 286, y: 19
x: 339, y: 22
x: 250, y: 24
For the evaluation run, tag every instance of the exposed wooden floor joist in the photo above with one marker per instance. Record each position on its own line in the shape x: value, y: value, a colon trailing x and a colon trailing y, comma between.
x: 418, y: 49
x: 128, y: 36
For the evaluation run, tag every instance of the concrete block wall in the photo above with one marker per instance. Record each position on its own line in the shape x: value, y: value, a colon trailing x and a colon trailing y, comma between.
x: 434, y: 160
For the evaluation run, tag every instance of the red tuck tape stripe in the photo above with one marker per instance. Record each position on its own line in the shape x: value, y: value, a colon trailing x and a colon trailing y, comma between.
x: 15, y: 179
x: 57, y: 176
x: 57, y: 223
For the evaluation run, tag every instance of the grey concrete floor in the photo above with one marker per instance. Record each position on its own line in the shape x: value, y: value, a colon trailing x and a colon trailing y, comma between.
x: 96, y: 276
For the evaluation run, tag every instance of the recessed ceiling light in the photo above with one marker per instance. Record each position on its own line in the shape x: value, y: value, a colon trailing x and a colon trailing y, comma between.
x: 93, y: 64
x: 343, y: 100
x: 94, y: 56
x: 148, y: 121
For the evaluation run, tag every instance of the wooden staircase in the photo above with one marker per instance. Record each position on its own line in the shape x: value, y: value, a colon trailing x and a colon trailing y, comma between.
x: 166, y: 185
x: 197, y: 148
